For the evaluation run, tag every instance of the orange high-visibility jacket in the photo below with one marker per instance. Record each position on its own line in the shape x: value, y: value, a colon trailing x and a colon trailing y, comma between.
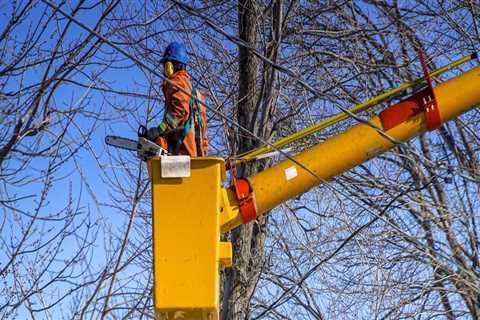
x: 177, y: 112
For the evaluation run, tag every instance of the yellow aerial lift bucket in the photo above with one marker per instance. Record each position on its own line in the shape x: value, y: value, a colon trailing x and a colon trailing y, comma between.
x: 186, y: 236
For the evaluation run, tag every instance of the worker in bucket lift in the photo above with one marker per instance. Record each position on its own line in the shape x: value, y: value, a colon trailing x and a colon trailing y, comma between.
x: 183, y: 130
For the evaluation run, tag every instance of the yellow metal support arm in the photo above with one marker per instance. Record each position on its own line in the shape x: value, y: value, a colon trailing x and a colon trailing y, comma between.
x: 344, y: 151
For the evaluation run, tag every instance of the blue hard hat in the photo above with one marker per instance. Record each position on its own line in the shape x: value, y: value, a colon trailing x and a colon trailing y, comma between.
x: 175, y: 51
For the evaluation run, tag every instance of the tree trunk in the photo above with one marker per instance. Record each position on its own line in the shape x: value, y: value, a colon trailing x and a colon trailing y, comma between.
x: 248, y: 241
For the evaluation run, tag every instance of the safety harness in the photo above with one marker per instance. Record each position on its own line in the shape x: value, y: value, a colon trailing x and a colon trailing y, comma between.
x: 195, y: 120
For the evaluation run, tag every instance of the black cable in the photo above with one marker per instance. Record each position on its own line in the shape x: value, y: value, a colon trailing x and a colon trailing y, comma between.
x: 252, y: 49
x: 153, y: 71
x: 191, y: 10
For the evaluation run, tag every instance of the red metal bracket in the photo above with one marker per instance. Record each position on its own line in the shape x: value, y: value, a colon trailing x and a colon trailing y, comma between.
x: 421, y: 101
x: 429, y: 102
x: 243, y: 191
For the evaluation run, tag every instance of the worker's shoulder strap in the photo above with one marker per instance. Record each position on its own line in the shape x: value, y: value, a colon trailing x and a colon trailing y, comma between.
x: 194, y: 121
x: 198, y: 110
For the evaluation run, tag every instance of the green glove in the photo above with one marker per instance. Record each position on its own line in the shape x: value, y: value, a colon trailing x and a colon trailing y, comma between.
x: 154, y: 132
x: 162, y: 127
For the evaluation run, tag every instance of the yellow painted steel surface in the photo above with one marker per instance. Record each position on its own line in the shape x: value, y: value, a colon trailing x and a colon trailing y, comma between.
x: 355, y: 146
x: 459, y: 94
x: 186, y: 240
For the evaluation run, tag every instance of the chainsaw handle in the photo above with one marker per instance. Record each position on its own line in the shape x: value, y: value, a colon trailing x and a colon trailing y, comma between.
x: 142, y: 131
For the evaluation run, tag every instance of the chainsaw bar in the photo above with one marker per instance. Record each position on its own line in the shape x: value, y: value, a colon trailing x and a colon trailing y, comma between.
x: 123, y: 143
x: 144, y: 147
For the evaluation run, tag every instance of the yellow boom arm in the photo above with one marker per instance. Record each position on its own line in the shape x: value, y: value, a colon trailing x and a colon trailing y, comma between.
x: 344, y: 151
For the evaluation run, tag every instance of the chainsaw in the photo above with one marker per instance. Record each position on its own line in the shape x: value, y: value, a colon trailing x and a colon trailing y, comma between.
x: 144, y: 147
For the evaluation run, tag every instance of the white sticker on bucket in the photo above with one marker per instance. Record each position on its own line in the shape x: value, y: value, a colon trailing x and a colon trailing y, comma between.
x: 175, y: 166
x: 290, y: 173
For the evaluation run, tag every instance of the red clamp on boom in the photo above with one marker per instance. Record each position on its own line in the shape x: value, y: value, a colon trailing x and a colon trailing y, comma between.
x: 421, y: 101
x: 246, y: 203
